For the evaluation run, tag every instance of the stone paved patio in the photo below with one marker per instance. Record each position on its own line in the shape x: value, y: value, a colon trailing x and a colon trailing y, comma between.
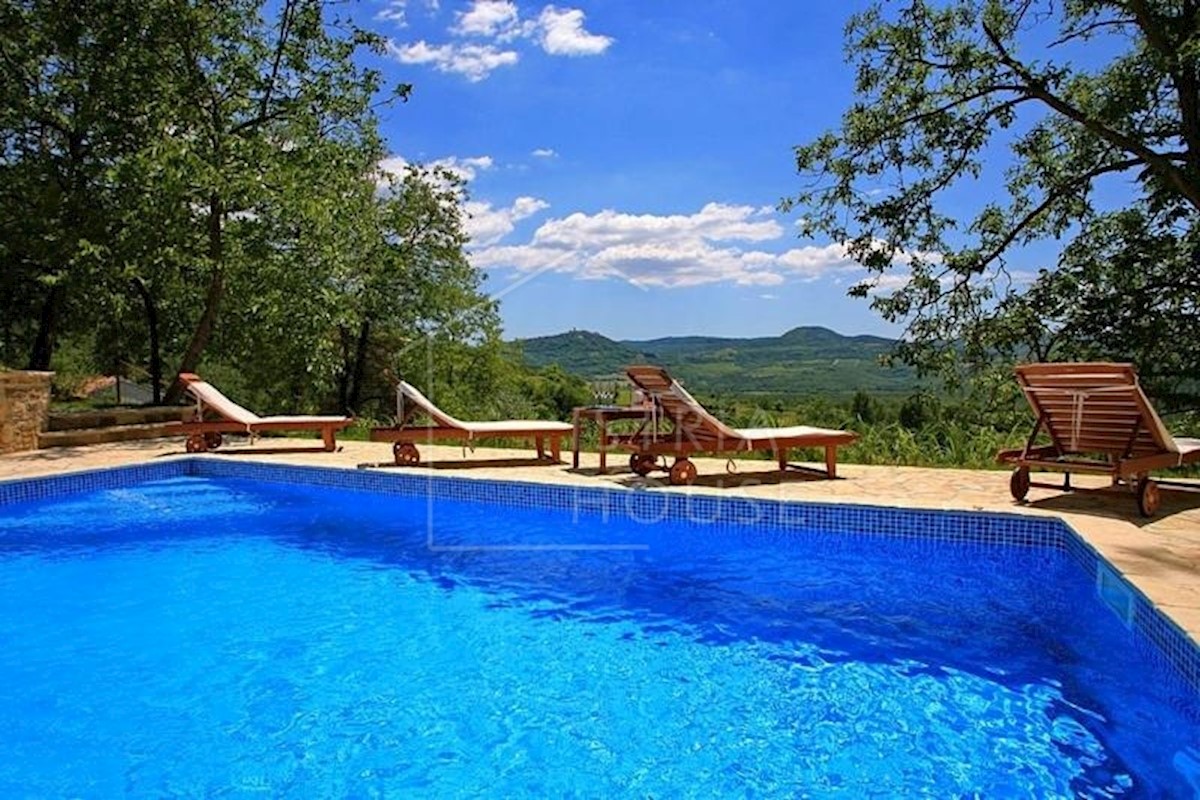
x: 1161, y: 556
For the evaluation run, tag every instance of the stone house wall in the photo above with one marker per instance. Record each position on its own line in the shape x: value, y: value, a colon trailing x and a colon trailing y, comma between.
x: 24, y: 409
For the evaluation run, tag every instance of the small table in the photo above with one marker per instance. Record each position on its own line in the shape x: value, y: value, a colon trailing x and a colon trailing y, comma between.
x: 602, y: 415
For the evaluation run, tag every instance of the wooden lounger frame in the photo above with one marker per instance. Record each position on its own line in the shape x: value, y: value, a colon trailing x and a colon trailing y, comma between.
x: 1099, y: 421
x: 405, y: 435
x: 207, y: 434
x: 695, y: 430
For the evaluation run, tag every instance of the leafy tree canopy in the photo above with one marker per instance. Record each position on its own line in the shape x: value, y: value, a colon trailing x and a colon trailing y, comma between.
x: 1061, y: 106
x: 190, y: 185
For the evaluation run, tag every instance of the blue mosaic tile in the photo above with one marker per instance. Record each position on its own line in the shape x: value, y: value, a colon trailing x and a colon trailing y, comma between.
x: 1161, y: 637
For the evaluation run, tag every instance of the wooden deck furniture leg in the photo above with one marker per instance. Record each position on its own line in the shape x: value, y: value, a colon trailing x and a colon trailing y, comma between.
x: 329, y: 437
x: 781, y: 455
x: 831, y: 460
x: 541, y: 446
x: 556, y: 448
x: 576, y: 423
x: 603, y: 445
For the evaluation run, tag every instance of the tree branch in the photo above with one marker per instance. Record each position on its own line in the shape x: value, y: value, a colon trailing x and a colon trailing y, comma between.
x: 1156, y: 162
x: 1087, y: 29
x: 1052, y: 198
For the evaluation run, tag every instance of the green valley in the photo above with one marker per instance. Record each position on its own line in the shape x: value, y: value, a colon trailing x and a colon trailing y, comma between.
x: 805, y: 360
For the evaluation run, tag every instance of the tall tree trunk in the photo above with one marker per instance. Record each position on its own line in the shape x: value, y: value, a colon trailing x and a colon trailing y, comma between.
x: 47, y: 333
x: 212, y: 299
x: 152, y: 330
x: 360, y: 367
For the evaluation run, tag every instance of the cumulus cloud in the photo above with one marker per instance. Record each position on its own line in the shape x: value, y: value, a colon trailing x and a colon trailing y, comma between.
x: 487, y: 18
x: 395, y: 12
x: 464, y: 168
x: 473, y: 61
x: 392, y: 165
x: 560, y: 32
x: 495, y: 24
x: 488, y: 225
x: 543, y: 152
x: 666, y: 250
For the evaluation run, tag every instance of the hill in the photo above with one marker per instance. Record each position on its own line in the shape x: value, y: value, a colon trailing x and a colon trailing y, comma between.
x: 806, y: 360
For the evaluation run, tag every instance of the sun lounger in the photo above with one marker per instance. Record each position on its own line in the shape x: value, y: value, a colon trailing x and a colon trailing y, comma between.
x: 206, y: 434
x: 1098, y: 420
x: 410, y: 403
x: 695, y: 430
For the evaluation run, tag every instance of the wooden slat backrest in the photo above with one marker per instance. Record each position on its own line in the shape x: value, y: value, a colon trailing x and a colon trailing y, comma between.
x: 1094, y: 408
x: 684, y: 411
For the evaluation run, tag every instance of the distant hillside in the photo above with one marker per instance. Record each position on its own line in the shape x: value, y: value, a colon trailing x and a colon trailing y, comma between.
x: 808, y: 360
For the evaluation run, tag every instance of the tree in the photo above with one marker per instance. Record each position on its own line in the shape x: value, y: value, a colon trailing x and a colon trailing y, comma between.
x: 254, y: 99
x: 411, y: 284
x: 75, y: 84
x: 863, y: 407
x: 951, y: 92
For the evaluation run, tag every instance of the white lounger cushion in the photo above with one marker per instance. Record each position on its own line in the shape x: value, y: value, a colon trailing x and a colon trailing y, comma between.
x: 795, y: 431
x: 517, y: 425
x: 1187, y: 446
x: 408, y: 393
x: 208, y: 395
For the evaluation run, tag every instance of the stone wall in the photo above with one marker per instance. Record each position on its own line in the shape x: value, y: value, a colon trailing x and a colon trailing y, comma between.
x: 24, y: 409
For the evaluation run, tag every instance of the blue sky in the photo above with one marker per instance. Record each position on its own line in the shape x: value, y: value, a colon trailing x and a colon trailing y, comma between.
x: 625, y: 157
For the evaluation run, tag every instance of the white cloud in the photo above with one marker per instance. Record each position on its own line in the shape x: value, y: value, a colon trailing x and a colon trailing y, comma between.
x: 649, y: 249
x: 392, y: 165
x: 560, y: 33
x: 671, y: 250
x: 465, y: 168
x: 487, y: 18
x: 544, y: 152
x: 713, y: 222
x: 487, y: 225
x: 887, y: 283
x: 395, y: 12
x: 812, y: 262
x: 473, y: 61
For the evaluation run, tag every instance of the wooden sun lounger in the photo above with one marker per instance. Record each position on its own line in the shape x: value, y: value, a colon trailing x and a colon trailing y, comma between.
x: 695, y: 430
x: 1100, y: 421
x: 206, y: 434
x: 405, y: 435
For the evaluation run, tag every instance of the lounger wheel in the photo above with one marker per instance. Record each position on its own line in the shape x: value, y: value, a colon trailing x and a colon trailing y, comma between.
x: 642, y: 463
x: 1147, y: 497
x: 213, y: 440
x: 1018, y: 484
x: 406, y: 454
x: 683, y: 472
x: 196, y: 443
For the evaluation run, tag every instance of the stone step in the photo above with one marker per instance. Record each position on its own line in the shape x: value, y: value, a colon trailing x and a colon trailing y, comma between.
x: 106, y: 418
x: 114, y: 433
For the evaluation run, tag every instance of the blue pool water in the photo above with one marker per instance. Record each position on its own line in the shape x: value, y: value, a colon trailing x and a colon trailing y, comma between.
x: 194, y: 637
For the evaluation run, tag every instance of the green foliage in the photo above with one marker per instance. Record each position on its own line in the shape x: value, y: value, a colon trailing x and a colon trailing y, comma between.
x: 1053, y: 103
x: 190, y: 186
x: 916, y: 431
x: 862, y: 407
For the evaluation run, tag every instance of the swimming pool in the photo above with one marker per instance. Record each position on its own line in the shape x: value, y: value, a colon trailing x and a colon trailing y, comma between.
x: 199, y: 630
